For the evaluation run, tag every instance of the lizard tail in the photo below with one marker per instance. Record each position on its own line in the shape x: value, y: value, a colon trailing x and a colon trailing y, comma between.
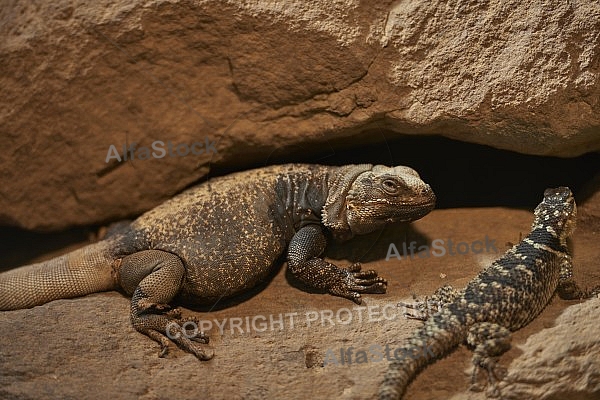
x: 83, y: 271
x: 439, y: 335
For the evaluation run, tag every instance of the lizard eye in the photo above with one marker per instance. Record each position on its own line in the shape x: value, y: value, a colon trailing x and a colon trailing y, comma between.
x: 390, y: 186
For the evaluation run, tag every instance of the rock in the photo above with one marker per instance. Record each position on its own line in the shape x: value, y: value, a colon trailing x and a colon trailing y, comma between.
x: 562, y: 361
x: 254, y: 77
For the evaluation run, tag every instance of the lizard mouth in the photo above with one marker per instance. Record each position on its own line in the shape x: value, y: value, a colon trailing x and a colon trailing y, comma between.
x: 411, y: 211
x: 393, y: 212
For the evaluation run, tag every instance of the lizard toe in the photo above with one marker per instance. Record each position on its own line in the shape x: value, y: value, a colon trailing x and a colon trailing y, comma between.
x: 347, y: 294
x: 355, y: 267
x: 370, y: 274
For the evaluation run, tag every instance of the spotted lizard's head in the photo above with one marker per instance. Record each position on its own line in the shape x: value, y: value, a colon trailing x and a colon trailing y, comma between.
x: 379, y: 195
x: 557, y: 213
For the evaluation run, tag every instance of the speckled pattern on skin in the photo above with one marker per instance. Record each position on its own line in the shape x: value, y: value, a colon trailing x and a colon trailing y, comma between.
x: 225, y: 236
x: 504, y: 297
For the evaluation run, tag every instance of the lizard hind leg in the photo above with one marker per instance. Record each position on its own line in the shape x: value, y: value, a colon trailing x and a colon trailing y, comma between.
x: 489, y: 341
x: 154, y: 278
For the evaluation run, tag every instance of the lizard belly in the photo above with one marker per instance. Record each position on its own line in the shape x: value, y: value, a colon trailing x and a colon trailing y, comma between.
x: 219, y: 274
x: 218, y: 264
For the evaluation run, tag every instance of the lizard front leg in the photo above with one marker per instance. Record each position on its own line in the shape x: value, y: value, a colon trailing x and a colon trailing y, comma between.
x: 567, y: 288
x: 304, y: 263
x: 154, y: 278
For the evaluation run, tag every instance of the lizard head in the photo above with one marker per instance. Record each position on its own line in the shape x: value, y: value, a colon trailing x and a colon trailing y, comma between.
x: 557, y: 213
x: 375, y: 196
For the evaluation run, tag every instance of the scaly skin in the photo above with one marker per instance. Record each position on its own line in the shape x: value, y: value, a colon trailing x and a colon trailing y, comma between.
x: 224, y: 236
x: 504, y: 297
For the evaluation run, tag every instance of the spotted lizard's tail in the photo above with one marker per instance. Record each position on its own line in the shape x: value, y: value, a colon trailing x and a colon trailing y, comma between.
x: 439, y: 335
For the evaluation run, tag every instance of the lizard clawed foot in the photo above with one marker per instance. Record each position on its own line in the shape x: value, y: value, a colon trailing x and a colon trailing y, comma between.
x: 420, y: 309
x: 492, y: 387
x: 185, y: 333
x: 190, y: 325
x: 169, y: 326
x: 423, y: 309
x: 495, y: 374
x: 357, y: 282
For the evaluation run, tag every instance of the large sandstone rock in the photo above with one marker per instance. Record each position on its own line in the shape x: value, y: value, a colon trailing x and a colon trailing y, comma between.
x: 255, y: 76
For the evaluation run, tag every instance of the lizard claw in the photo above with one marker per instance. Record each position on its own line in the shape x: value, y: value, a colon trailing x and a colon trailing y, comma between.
x: 414, y: 311
x: 190, y: 326
x: 420, y: 309
x: 185, y: 333
x: 495, y: 374
x: 169, y: 326
x: 355, y: 267
x: 423, y: 309
x: 357, y: 282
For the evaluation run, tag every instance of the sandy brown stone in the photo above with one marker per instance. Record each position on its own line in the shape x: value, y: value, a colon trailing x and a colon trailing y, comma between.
x: 562, y: 361
x: 258, y: 76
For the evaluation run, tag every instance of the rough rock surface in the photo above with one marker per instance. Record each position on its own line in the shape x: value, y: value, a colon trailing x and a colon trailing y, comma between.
x: 562, y: 361
x: 257, y: 76
x: 559, y: 362
x: 85, y: 348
